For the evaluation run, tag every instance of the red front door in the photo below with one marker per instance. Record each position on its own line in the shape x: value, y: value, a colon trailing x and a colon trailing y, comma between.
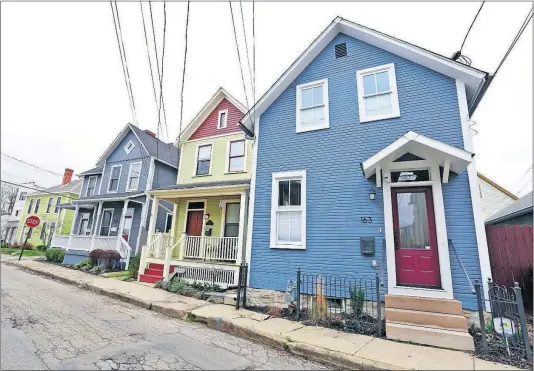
x: 194, y: 222
x: 414, y: 228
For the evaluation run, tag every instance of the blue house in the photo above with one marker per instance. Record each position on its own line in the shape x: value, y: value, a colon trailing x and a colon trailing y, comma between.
x: 364, y: 164
x: 113, y: 208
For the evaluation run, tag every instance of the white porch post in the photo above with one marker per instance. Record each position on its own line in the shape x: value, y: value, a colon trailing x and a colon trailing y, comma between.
x: 73, y: 225
x: 121, y: 224
x: 182, y: 246
x: 144, y: 212
x: 242, y: 212
x: 95, y: 224
x: 153, y: 218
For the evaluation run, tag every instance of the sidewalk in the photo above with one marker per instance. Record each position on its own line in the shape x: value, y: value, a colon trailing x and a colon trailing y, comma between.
x: 335, y: 348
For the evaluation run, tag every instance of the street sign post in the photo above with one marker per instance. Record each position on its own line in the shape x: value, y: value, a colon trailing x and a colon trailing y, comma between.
x: 31, y: 222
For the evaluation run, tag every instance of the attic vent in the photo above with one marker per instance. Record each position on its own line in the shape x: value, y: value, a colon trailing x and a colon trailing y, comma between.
x: 341, y: 50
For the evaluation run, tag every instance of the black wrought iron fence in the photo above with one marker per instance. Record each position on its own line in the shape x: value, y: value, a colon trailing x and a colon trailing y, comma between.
x: 346, y: 302
x: 504, y: 332
x: 241, y: 299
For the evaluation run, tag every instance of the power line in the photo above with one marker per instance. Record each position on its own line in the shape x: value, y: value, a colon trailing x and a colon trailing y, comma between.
x: 516, y: 38
x: 123, y: 60
x: 254, y: 60
x: 246, y: 43
x: 183, y: 74
x: 32, y: 165
x: 238, y: 54
x: 496, y: 208
x: 148, y: 55
x: 471, y: 26
x: 39, y: 190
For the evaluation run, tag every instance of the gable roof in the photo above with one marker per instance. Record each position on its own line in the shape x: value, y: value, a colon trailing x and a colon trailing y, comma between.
x: 73, y: 187
x: 502, y: 189
x: 475, y: 80
x: 165, y: 152
x: 93, y: 171
x: 517, y: 208
x: 206, y: 110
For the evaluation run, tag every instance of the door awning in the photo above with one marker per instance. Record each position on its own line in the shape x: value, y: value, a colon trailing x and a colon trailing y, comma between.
x: 421, y: 146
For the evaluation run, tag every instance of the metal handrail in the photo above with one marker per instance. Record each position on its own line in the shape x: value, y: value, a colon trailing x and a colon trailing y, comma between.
x: 451, y: 245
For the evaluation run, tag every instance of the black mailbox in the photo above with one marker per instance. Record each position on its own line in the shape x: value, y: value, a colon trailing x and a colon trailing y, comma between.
x: 367, y: 245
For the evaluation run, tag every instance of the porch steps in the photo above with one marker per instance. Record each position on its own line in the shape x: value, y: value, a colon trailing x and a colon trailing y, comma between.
x: 154, y: 273
x: 436, y: 322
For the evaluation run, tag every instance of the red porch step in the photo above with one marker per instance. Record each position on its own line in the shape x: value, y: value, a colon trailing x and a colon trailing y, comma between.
x: 153, y: 273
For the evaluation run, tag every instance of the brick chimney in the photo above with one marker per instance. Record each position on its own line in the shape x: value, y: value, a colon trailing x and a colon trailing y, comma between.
x: 151, y: 133
x: 67, y: 176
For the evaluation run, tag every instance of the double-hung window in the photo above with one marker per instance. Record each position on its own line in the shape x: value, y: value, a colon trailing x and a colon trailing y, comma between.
x: 377, y: 93
x: 312, y: 106
x: 58, y: 202
x: 49, y: 205
x: 223, y: 119
x: 42, y: 236
x: 236, y: 156
x: 288, y: 210
x: 22, y: 196
x: 30, y: 205
x: 37, y: 203
x: 203, y: 164
x: 133, y: 176
x: 114, y: 178
x: 91, y: 186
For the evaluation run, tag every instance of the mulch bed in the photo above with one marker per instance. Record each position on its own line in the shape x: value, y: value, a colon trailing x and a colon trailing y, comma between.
x: 498, y: 352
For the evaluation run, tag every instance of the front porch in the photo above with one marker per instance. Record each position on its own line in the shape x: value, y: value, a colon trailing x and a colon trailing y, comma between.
x: 203, y: 238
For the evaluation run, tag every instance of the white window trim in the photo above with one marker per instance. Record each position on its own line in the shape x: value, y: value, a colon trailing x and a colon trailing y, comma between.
x: 219, y: 119
x: 223, y: 213
x: 56, y: 206
x: 49, y: 205
x: 196, y: 159
x: 109, y: 180
x: 110, y: 220
x: 395, y: 110
x: 167, y: 219
x: 130, y: 174
x: 89, y: 182
x: 227, y: 166
x: 285, y: 175
x: 129, y: 147
x: 326, y: 125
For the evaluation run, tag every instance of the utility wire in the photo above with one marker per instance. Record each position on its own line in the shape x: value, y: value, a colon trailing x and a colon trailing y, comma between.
x: 254, y: 61
x: 124, y: 61
x: 246, y: 43
x: 39, y: 190
x: 495, y: 209
x: 148, y: 55
x: 516, y: 38
x: 183, y: 75
x: 471, y: 26
x: 32, y: 165
x: 238, y: 55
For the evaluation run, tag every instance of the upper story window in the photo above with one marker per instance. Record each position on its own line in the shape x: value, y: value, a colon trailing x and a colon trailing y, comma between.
x: 288, y: 210
x: 91, y: 186
x: 203, y: 163
x: 22, y: 196
x: 129, y: 147
x: 49, y: 205
x: 58, y: 202
x: 236, y: 156
x: 133, y: 176
x: 42, y: 235
x: 223, y: 119
x: 312, y: 106
x: 377, y: 93
x: 114, y: 178
x: 30, y: 205
x: 37, y: 203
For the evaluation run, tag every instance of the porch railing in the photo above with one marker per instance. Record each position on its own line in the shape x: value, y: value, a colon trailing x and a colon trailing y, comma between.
x: 61, y: 241
x: 211, y: 248
x: 105, y: 243
x: 80, y: 242
x: 89, y: 243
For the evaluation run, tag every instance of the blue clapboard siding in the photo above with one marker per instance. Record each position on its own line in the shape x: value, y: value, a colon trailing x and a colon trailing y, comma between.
x: 164, y: 175
x: 337, y: 191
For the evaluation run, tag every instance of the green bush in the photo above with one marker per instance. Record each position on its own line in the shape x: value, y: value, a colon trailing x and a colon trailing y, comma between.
x: 180, y: 287
x: 357, y: 298
x: 4, y: 245
x: 84, y: 262
x: 133, y: 267
x: 42, y: 247
x: 55, y: 255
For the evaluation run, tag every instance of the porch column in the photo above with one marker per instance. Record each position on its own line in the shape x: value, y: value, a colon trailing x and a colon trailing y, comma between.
x: 73, y: 225
x: 95, y: 224
x: 142, y: 224
x: 240, y: 243
x: 121, y: 224
x: 153, y: 217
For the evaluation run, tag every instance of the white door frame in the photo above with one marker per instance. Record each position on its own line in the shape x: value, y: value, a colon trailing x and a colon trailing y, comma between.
x: 205, y: 200
x: 133, y: 215
x: 446, y: 292
x: 110, y: 220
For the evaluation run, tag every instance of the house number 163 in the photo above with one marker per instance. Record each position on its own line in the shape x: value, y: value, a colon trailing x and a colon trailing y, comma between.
x: 366, y: 219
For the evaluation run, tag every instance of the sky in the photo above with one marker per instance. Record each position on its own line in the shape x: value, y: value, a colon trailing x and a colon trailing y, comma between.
x: 64, y: 99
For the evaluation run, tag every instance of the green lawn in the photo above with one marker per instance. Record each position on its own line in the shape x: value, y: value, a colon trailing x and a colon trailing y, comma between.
x: 8, y: 251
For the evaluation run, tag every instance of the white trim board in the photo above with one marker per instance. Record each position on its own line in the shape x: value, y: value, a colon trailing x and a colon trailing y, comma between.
x: 252, y: 199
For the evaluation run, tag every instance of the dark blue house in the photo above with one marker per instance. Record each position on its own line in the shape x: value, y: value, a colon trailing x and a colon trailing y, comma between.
x: 365, y: 140
x: 113, y: 208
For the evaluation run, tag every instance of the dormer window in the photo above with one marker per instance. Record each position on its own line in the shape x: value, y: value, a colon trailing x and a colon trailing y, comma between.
x: 223, y: 119
x: 129, y: 147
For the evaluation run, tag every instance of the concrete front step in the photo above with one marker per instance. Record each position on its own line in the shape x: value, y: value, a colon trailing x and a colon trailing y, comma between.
x: 149, y: 278
x: 430, y: 336
x: 449, y: 306
x: 456, y: 322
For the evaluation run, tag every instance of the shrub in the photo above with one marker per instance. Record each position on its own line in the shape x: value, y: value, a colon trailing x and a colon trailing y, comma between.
x: 357, y: 297
x: 27, y: 246
x: 133, y: 267
x: 4, y: 245
x: 180, y: 287
x: 106, y: 258
x: 55, y: 255
x: 42, y: 247
x: 84, y: 262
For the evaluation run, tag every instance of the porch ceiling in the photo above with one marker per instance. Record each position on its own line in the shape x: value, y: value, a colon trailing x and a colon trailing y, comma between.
x: 421, y: 146
x: 201, y: 190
